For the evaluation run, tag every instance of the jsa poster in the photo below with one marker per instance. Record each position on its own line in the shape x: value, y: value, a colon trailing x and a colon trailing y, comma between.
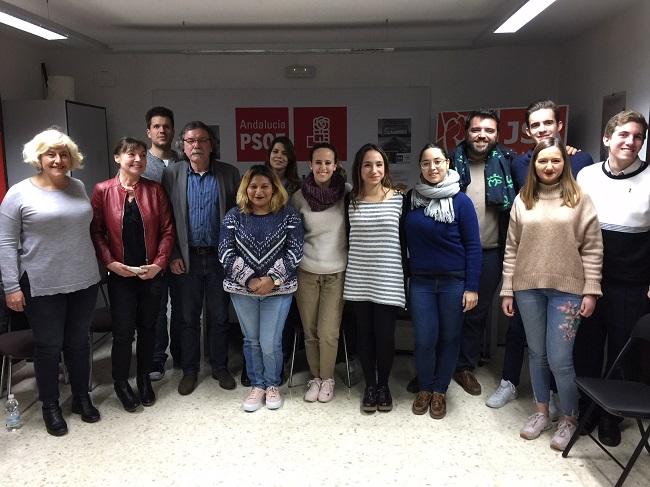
x: 450, y: 128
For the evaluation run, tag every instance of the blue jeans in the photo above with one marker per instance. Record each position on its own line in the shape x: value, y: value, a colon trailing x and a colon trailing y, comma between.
x: 551, y: 319
x: 262, y: 320
x: 163, y: 337
x: 437, y: 312
x: 204, y: 282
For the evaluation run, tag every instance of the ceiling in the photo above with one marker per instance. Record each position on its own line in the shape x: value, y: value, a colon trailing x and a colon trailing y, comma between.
x: 203, y: 26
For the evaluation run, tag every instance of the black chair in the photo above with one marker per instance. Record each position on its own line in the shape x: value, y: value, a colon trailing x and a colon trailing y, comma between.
x: 14, y: 345
x: 623, y: 398
x: 102, y: 323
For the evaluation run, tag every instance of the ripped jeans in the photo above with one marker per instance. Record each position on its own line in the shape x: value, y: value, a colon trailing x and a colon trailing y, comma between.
x: 551, y: 319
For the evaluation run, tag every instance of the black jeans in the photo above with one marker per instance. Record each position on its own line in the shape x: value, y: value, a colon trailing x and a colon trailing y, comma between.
x: 60, y: 322
x: 134, y: 306
x: 204, y: 282
x: 476, y: 319
x: 375, y: 340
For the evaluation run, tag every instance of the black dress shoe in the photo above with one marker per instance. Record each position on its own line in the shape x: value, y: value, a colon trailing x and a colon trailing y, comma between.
x: 226, y: 380
x: 609, y: 432
x: 591, y: 424
x: 53, y: 417
x: 147, y: 396
x: 384, y: 399
x: 369, y: 402
x: 126, y: 395
x: 84, y: 406
x: 413, y: 386
x: 245, y: 381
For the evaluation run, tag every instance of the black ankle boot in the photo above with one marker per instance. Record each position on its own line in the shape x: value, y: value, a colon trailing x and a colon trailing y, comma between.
x: 84, y: 406
x: 53, y: 417
x: 369, y: 402
x: 126, y: 395
x: 384, y: 399
x: 147, y: 396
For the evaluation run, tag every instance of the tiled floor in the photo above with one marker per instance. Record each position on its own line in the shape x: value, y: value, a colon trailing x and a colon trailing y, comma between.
x: 206, y: 439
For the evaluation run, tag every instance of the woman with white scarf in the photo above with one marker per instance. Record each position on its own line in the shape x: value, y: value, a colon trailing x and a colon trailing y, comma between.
x: 444, y: 265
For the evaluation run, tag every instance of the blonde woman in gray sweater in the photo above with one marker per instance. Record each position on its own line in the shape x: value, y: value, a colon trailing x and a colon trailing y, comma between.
x: 552, y: 266
x: 322, y: 269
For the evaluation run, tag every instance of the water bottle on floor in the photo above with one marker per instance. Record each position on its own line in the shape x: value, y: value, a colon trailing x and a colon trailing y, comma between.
x: 12, y: 408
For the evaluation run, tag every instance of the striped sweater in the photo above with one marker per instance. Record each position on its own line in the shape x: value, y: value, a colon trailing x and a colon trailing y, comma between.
x: 374, y: 272
x: 260, y: 245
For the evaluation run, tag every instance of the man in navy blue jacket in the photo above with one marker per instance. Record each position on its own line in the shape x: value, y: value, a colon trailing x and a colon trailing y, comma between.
x: 542, y: 121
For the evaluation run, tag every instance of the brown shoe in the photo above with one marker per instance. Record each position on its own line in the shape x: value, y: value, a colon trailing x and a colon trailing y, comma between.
x: 438, y: 407
x: 467, y: 381
x: 187, y: 385
x: 421, y: 403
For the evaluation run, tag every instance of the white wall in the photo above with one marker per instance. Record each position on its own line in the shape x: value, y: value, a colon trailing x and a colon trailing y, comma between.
x: 457, y: 79
x: 606, y: 60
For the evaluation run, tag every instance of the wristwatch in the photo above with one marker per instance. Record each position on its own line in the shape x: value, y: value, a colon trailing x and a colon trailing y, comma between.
x: 276, y: 280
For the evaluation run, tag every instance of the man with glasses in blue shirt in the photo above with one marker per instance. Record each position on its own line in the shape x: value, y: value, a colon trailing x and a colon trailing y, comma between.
x: 201, y: 190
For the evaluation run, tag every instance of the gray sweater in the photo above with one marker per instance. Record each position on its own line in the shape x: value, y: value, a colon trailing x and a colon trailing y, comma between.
x: 52, y: 227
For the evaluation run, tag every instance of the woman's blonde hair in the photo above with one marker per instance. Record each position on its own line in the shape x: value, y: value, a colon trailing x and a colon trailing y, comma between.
x: 571, y: 192
x: 279, y: 198
x: 50, y: 139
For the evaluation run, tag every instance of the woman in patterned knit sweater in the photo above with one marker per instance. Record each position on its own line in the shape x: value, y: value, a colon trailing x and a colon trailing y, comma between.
x: 552, y: 265
x: 374, y: 279
x: 260, y: 247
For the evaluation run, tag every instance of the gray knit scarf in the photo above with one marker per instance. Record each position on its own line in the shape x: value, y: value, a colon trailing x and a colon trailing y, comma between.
x: 437, y: 199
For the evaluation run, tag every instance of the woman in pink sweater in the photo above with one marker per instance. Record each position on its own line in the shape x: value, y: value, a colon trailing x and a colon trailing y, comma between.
x: 552, y: 266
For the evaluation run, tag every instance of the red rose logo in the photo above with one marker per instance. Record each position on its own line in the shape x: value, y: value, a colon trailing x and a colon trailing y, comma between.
x: 450, y: 129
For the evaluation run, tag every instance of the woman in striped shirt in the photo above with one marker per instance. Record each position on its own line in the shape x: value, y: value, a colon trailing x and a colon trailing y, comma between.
x: 374, y: 279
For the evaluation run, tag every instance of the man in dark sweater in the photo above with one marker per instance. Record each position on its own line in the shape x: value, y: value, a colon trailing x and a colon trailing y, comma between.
x: 542, y: 121
x: 620, y: 190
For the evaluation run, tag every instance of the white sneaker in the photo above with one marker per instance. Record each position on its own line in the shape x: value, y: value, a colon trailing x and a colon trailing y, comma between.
x: 326, y: 393
x: 255, y: 400
x: 313, y: 388
x: 505, y: 393
x: 554, y: 407
x: 565, y: 430
x: 273, y: 398
x: 537, y: 423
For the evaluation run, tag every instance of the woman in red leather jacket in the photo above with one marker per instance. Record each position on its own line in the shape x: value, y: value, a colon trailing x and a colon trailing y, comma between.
x: 133, y: 234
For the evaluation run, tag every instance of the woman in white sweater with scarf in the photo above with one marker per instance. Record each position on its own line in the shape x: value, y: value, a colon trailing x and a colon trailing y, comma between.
x: 552, y: 266
x: 322, y: 269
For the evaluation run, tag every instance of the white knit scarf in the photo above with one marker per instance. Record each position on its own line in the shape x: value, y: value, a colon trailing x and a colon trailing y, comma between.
x: 437, y: 199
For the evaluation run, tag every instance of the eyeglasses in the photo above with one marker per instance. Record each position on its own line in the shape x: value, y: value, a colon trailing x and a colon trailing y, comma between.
x: 436, y: 163
x: 201, y: 140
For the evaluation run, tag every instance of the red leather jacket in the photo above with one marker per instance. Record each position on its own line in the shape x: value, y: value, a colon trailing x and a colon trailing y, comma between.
x: 108, y: 213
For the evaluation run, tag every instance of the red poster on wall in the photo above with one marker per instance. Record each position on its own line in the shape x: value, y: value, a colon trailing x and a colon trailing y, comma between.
x: 450, y: 128
x: 320, y: 124
x: 256, y: 128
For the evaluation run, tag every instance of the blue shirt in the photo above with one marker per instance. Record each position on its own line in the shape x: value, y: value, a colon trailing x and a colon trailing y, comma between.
x: 445, y: 249
x: 202, y: 209
x: 519, y: 168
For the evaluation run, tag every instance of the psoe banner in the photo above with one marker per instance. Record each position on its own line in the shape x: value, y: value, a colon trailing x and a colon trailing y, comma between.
x: 256, y: 128
x: 312, y: 125
x: 450, y: 128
